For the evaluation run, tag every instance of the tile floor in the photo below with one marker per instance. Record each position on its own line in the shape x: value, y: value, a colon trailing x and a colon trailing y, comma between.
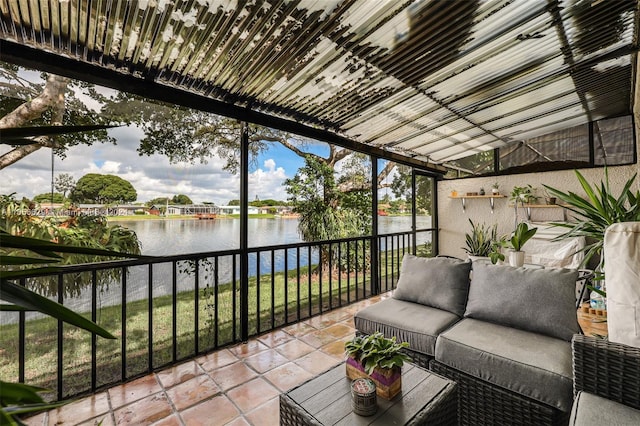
x: 236, y: 386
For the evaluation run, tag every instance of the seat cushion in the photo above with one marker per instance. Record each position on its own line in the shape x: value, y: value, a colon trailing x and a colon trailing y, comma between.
x: 407, y: 321
x: 438, y: 282
x: 537, y: 300
x: 530, y: 364
x: 592, y: 410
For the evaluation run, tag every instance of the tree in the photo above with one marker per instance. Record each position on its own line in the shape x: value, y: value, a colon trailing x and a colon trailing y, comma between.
x: 326, y: 213
x: 53, y: 101
x: 158, y: 202
x: 64, y: 183
x: 103, y: 189
x: 46, y: 198
x: 181, y: 199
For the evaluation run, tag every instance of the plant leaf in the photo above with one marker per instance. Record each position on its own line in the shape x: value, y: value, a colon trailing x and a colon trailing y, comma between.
x: 28, y: 299
x: 18, y: 393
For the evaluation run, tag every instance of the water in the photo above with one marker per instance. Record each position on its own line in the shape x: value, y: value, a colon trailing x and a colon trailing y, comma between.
x: 177, y: 236
x: 182, y: 236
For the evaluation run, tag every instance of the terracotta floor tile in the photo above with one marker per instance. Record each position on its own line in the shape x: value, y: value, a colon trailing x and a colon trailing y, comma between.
x: 318, y: 338
x: 239, y: 421
x: 216, y: 411
x: 299, y: 329
x: 266, y: 415
x: 321, y: 321
x: 275, y: 338
x: 232, y: 375
x: 83, y: 409
x: 265, y: 361
x: 252, y: 394
x: 144, y: 412
x: 192, y: 392
x: 294, y: 349
x: 336, y: 349
x: 171, y: 420
x: 103, y: 420
x: 37, y: 420
x: 179, y: 373
x: 317, y: 362
x: 339, y: 330
x: 287, y: 376
x: 217, y: 359
x: 250, y: 348
x: 133, y: 391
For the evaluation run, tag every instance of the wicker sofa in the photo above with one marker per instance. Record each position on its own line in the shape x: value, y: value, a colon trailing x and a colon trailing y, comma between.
x: 606, y: 383
x: 504, y: 335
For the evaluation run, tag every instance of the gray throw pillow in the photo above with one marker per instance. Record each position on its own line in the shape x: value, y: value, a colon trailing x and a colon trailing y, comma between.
x: 537, y: 300
x: 438, y: 282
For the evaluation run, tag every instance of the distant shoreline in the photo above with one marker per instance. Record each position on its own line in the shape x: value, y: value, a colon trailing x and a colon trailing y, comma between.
x: 138, y: 217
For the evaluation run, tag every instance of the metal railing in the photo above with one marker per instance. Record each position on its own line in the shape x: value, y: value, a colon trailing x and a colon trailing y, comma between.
x: 167, y: 309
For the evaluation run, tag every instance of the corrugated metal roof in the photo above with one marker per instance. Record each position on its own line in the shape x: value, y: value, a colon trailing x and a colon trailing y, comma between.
x: 432, y: 80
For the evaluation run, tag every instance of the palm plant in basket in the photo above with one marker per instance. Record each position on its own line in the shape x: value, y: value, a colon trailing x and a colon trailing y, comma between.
x: 378, y: 358
x: 597, y: 211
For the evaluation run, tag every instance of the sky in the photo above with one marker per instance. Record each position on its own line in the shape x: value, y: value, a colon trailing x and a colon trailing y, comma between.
x: 152, y: 176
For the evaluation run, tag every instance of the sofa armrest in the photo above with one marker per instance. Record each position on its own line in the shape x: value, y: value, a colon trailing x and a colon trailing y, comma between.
x: 609, y: 370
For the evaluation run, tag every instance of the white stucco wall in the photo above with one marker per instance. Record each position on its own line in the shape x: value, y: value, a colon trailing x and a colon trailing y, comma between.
x: 454, y: 223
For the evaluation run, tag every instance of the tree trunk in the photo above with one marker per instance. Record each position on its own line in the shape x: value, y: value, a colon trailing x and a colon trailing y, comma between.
x: 52, y: 96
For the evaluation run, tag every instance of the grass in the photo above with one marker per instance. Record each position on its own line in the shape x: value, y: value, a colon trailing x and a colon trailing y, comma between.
x: 41, y: 334
x: 213, y: 331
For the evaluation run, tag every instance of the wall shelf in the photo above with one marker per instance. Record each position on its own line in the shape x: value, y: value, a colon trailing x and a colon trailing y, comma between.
x: 490, y: 197
x: 528, y: 208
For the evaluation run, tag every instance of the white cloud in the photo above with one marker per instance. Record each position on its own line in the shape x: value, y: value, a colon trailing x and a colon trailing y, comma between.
x: 151, y: 176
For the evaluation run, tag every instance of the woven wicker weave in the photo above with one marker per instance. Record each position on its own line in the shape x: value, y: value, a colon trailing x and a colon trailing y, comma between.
x: 609, y: 370
x: 481, y: 403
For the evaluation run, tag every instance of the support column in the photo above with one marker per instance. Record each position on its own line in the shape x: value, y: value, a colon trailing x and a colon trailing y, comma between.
x: 244, y: 225
x: 375, y: 280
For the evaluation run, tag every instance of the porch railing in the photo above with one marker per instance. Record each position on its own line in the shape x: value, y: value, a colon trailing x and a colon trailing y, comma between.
x: 168, y: 309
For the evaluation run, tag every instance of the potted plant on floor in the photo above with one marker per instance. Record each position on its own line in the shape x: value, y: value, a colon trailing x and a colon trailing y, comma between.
x: 519, y: 237
x: 480, y: 240
x: 378, y: 358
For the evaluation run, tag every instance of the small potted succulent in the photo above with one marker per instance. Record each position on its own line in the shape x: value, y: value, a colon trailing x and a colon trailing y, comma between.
x: 378, y: 358
x: 495, y: 188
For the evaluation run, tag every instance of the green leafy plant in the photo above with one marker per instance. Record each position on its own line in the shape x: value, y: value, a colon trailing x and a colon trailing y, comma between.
x: 481, y: 239
x: 597, y: 211
x: 17, y: 398
x: 523, y: 194
x: 496, y: 249
x: 521, y: 235
x: 376, y: 351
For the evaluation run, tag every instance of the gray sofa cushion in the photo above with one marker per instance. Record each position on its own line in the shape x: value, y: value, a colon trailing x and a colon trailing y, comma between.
x: 437, y: 282
x: 530, y: 364
x: 409, y: 322
x: 540, y: 300
x: 592, y: 410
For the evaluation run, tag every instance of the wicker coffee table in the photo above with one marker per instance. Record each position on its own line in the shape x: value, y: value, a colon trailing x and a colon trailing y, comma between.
x: 426, y: 398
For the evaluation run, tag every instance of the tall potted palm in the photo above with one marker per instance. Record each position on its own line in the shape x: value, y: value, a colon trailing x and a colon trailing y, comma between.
x: 599, y: 209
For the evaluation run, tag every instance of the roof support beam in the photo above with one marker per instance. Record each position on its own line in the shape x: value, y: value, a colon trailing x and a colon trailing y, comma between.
x: 62, y: 65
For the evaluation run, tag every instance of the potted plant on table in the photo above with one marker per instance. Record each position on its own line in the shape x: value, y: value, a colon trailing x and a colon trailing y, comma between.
x: 378, y: 358
x: 480, y: 241
x: 519, y: 237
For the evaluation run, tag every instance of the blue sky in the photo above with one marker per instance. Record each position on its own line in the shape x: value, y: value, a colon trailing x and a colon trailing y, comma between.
x: 153, y: 176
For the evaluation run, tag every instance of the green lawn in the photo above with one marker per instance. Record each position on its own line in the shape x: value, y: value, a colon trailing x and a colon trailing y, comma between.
x: 41, y: 334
